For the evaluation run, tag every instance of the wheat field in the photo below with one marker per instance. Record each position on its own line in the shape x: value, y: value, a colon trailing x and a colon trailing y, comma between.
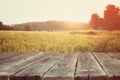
x: 60, y: 42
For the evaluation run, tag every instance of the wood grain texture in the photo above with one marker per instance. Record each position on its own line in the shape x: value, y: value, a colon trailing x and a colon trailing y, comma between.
x: 110, y: 65
x: 11, y: 61
x: 36, y: 71
x: 13, y: 68
x: 15, y: 59
x: 114, y: 55
x: 4, y: 56
x: 44, y: 66
x: 63, y: 69
x: 88, y: 68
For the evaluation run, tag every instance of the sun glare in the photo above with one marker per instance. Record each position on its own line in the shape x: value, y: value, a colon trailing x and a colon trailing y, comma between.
x: 17, y: 11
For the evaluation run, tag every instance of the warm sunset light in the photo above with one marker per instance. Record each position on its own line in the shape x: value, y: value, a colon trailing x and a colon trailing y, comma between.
x: 59, y: 39
x: 18, y: 11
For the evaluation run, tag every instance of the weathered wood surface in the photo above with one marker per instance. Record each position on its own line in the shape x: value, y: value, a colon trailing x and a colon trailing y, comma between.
x: 14, y: 59
x: 37, y: 70
x: 88, y: 68
x: 63, y: 69
x: 71, y: 66
x: 110, y: 65
x: 9, y: 68
x: 114, y: 55
x: 6, y: 55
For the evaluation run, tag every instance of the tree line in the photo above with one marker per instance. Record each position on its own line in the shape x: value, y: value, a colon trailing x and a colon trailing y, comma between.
x: 52, y: 26
x: 5, y: 27
x: 110, y: 20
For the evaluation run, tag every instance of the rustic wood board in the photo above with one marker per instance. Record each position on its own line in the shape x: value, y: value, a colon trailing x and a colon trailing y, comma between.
x: 15, y: 58
x: 13, y: 68
x: 114, y: 55
x: 36, y: 71
x: 8, y: 55
x: 88, y: 68
x: 110, y: 65
x: 44, y: 66
x: 63, y: 69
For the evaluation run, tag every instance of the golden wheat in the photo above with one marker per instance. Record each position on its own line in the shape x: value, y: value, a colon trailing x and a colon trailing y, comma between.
x: 60, y: 42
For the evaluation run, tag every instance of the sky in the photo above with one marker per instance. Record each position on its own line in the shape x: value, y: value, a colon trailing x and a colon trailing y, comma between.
x: 20, y: 11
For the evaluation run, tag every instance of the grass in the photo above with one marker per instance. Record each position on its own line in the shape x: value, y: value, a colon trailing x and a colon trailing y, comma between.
x: 60, y: 42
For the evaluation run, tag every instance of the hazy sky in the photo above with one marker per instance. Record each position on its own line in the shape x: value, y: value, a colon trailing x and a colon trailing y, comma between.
x: 18, y: 11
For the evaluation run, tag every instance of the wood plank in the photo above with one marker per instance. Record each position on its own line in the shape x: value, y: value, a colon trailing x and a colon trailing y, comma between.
x: 13, y: 68
x: 36, y: 71
x: 13, y: 60
x: 114, y: 55
x: 110, y: 65
x: 63, y: 69
x: 117, y: 56
x: 8, y: 55
x: 88, y: 68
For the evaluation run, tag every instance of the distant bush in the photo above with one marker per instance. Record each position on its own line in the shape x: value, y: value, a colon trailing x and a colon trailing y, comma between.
x: 91, y: 33
x: 75, y: 32
x: 84, y: 32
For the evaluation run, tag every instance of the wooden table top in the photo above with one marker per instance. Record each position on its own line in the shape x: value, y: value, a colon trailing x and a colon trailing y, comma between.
x: 71, y: 66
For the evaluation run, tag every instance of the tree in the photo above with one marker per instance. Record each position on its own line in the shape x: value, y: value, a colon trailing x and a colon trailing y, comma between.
x: 95, y: 21
x: 27, y: 28
x: 112, y: 17
x: 1, y: 25
x: 111, y: 12
x: 5, y: 27
x: 110, y: 21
